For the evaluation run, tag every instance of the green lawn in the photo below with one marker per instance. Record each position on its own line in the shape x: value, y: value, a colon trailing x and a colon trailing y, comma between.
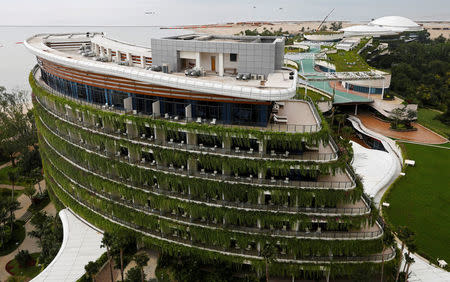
x: 349, y: 60
x: 426, y: 118
x: 315, y: 96
x: 421, y: 200
x: 30, y: 271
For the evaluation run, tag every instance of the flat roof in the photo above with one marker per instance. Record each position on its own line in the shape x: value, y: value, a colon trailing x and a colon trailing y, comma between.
x: 277, y: 87
x: 224, y: 38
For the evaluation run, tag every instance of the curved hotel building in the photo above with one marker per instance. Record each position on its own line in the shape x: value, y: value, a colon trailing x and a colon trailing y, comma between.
x: 198, y: 145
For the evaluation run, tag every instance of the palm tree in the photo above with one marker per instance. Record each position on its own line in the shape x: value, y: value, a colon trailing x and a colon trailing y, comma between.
x: 12, y: 205
x: 3, y: 220
x: 404, y: 234
x: 40, y: 224
x: 141, y: 261
x: 91, y: 269
x: 388, y: 241
x: 268, y: 253
x: 408, y: 261
x: 121, y: 241
x: 29, y: 192
x: 107, y: 242
x: 12, y: 176
x: 341, y: 120
x: 412, y: 248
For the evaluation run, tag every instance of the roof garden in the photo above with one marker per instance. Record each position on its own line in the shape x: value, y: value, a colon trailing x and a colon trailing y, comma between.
x: 350, y: 61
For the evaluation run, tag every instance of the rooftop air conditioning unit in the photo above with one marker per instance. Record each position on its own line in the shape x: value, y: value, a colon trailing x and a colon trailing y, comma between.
x: 260, y: 76
x: 254, y: 76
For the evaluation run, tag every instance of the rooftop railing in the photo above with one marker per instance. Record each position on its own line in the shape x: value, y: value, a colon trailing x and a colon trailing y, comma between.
x: 277, y: 127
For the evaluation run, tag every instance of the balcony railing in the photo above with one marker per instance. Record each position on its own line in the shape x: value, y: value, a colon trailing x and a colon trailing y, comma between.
x: 239, y: 205
x: 249, y: 251
x: 345, y: 185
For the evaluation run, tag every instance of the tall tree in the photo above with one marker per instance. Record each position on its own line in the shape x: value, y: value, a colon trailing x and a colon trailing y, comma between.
x: 107, y: 242
x: 29, y: 192
x: 17, y: 124
x: 141, y: 260
x: 388, y: 241
x: 408, y: 261
x: 91, y: 270
x: 404, y: 234
x: 121, y: 241
x: 268, y: 253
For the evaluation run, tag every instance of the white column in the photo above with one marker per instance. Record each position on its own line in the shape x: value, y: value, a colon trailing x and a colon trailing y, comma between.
x: 220, y: 64
x: 382, y: 91
x: 109, y: 54
x: 118, y: 57
x: 143, y: 62
x: 197, y: 60
x: 129, y: 59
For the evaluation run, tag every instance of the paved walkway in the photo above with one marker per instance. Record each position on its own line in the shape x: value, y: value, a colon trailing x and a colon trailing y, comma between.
x: 81, y: 244
x: 422, y: 135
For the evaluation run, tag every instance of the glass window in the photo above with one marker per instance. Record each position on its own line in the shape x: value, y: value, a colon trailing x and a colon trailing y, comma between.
x: 233, y: 57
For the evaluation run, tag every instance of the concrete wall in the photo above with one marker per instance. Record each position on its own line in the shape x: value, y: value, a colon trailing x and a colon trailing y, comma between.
x: 259, y: 58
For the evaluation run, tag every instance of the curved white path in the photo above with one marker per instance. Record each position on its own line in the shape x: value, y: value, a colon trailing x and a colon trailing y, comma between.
x: 81, y: 244
x: 378, y: 170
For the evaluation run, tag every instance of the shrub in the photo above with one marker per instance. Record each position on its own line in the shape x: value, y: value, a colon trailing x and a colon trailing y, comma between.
x: 134, y: 275
x: 23, y: 258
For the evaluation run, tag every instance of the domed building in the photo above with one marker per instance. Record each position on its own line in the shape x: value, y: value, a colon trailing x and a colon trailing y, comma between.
x: 389, y: 25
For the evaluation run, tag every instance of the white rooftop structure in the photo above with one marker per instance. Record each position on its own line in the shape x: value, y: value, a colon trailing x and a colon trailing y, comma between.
x: 81, y: 244
x: 396, y: 23
x: 382, y: 26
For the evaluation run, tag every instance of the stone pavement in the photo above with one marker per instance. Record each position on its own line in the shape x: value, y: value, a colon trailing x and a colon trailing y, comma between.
x: 422, y: 135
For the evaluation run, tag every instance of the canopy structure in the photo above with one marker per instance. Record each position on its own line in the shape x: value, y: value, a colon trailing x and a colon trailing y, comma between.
x: 81, y: 244
x: 383, y: 26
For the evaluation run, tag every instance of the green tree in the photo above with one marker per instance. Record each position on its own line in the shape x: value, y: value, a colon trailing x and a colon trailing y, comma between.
x: 134, y: 275
x: 29, y: 192
x: 23, y: 258
x: 268, y: 253
x: 108, y: 243
x: 121, y: 241
x: 404, y: 234
x: 408, y: 261
x: 388, y: 242
x: 91, y: 269
x: 17, y: 124
x: 141, y: 260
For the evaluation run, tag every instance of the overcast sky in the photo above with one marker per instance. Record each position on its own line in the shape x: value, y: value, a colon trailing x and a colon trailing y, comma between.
x: 176, y: 12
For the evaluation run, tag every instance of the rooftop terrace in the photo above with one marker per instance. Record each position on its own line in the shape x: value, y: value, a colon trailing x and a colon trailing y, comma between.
x: 64, y: 49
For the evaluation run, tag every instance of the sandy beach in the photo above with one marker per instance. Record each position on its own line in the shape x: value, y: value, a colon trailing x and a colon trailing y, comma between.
x: 435, y: 28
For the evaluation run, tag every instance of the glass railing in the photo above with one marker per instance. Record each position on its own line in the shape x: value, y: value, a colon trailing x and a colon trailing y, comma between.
x: 277, y: 127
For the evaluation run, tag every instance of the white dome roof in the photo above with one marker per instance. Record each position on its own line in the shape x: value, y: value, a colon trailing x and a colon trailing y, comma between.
x: 395, y: 22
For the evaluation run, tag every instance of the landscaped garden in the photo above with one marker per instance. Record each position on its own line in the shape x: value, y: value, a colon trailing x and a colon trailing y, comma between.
x: 349, y: 60
x: 421, y: 200
x: 24, y: 265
